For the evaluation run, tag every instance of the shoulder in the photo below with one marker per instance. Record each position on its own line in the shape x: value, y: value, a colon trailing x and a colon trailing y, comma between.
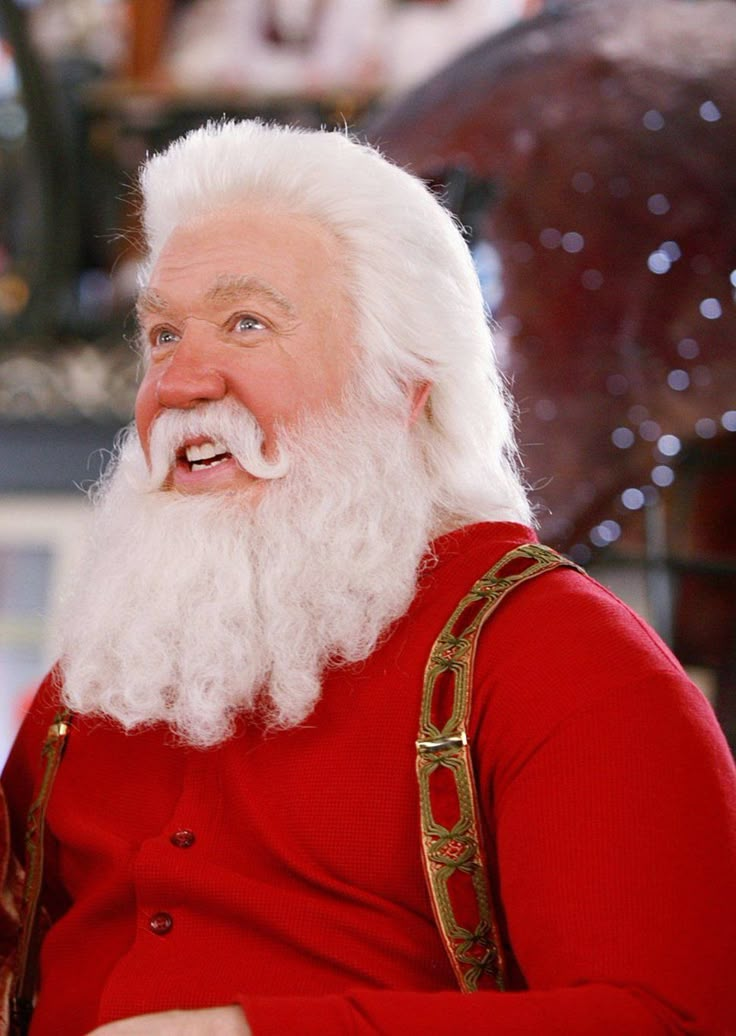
x: 566, y: 620
x: 566, y: 626
x: 564, y: 659
x: 561, y: 619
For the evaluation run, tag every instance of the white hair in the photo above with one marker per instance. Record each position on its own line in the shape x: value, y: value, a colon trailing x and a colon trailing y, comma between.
x: 410, y: 275
x: 193, y: 610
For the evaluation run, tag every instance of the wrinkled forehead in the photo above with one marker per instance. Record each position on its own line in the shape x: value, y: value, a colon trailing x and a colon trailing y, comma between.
x: 224, y: 290
x: 286, y: 260
x: 247, y: 220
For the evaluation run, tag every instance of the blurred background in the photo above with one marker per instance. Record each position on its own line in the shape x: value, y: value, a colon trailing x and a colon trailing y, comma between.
x: 588, y: 147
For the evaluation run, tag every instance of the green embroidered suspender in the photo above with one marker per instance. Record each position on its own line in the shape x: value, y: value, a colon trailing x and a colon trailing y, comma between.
x: 452, y: 849
x: 26, y: 959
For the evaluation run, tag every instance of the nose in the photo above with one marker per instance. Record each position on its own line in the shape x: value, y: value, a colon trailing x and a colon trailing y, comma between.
x: 191, y: 375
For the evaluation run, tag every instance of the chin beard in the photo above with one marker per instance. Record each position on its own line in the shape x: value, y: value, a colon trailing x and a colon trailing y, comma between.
x: 192, y: 610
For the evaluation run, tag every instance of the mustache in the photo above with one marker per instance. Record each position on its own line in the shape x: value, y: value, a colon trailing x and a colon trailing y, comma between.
x: 225, y: 422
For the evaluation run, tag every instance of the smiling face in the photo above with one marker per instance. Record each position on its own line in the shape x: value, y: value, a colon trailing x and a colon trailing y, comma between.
x: 250, y: 307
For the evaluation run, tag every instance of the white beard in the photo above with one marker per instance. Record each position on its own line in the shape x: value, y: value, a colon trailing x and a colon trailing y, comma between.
x: 191, y: 610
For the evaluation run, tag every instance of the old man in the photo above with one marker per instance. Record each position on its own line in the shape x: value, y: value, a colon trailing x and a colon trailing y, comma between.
x: 322, y: 467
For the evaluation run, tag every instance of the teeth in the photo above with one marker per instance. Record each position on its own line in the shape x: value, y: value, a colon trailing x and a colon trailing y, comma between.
x: 211, y: 464
x: 205, y: 451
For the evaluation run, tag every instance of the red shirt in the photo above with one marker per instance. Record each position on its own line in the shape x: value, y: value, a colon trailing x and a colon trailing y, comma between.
x: 282, y: 870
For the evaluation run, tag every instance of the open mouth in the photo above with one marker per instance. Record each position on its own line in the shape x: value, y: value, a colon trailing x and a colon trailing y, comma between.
x: 203, y: 455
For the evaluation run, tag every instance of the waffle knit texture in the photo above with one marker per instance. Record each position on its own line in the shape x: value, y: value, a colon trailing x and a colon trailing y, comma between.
x: 608, y: 799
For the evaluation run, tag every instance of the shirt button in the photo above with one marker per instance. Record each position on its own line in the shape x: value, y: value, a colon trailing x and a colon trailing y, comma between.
x: 161, y: 924
x: 183, y: 839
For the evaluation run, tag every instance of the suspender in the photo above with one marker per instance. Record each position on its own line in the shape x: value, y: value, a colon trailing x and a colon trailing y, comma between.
x: 452, y: 848
x: 26, y: 963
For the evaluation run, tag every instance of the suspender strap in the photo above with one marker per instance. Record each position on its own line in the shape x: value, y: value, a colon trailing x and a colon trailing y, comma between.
x: 452, y: 849
x: 26, y: 971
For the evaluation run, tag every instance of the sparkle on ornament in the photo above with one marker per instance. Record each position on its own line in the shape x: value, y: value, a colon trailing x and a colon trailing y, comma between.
x: 573, y: 242
x: 632, y: 499
x: 711, y: 309
x: 658, y: 204
x: 650, y: 431
x: 623, y: 438
x: 653, y: 120
x: 678, y: 380
x: 669, y: 445
x: 605, y: 533
x: 688, y: 348
x: 671, y: 249
x: 550, y: 238
x: 613, y: 529
x: 659, y: 261
x: 706, y: 428
x: 663, y: 475
x: 709, y: 111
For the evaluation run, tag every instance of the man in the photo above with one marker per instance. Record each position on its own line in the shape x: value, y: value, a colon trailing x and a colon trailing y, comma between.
x: 322, y: 468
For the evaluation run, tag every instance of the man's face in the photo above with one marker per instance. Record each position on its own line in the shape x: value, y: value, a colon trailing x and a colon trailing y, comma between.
x: 247, y: 306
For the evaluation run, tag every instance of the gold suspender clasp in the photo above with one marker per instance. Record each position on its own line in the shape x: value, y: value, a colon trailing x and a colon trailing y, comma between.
x: 58, y: 730
x: 442, y: 744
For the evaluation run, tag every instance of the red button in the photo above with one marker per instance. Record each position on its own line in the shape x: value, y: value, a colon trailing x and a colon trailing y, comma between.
x: 161, y: 924
x: 183, y: 839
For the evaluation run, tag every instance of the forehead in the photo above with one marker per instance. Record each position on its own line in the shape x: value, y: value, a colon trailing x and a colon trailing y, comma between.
x: 294, y: 256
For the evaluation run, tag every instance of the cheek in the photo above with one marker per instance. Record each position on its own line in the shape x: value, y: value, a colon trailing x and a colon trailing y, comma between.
x: 270, y: 391
x: 145, y: 412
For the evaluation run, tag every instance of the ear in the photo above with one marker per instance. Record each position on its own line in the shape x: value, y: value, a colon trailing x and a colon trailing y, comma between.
x: 418, y: 396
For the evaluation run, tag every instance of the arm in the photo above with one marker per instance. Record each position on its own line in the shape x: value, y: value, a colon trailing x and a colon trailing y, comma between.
x: 613, y: 804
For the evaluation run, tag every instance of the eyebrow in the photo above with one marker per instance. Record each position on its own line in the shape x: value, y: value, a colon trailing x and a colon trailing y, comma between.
x: 150, y: 301
x: 227, y: 288
x: 233, y: 288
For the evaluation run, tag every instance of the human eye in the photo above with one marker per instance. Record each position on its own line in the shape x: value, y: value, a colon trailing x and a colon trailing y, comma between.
x: 162, y: 337
x: 247, y: 322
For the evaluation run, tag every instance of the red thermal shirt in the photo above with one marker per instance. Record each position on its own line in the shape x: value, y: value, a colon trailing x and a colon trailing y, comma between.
x: 282, y: 870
